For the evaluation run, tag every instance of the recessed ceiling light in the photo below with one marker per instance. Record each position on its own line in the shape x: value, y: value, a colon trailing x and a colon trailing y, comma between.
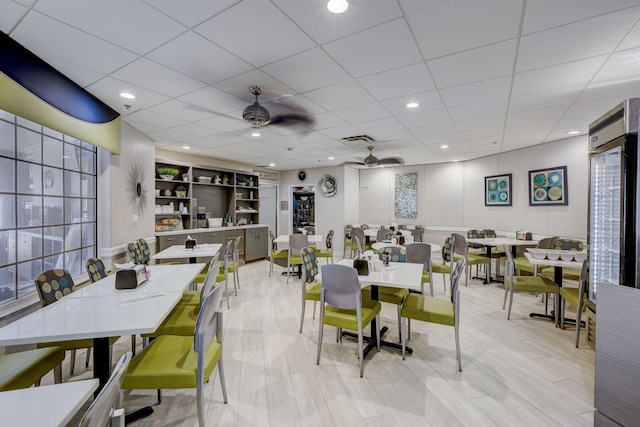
x: 443, y: 146
x: 413, y: 105
x: 255, y: 133
x: 272, y: 164
x: 337, y: 6
x: 186, y: 147
x: 331, y: 158
x: 127, y: 95
x: 454, y: 160
x: 573, y: 132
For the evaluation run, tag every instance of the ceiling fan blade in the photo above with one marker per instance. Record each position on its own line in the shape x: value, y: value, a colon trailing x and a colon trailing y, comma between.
x: 391, y: 161
x: 201, y: 109
x: 353, y: 163
x: 291, y: 119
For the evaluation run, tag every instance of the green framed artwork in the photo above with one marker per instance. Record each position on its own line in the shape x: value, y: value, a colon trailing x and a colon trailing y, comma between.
x: 548, y: 187
x: 497, y: 190
x: 406, y: 195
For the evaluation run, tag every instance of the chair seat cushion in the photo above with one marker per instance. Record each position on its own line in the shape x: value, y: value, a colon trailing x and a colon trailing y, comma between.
x: 387, y: 294
x: 283, y: 253
x: 571, y: 295
x: 23, y: 369
x: 567, y: 273
x: 324, y: 253
x: 532, y: 284
x: 295, y: 259
x: 346, y: 319
x: 428, y: 309
x: 473, y: 259
x: 181, y: 321
x: 522, y: 264
x: 441, y: 268
x: 169, y: 362
x: 190, y: 298
x: 313, y: 292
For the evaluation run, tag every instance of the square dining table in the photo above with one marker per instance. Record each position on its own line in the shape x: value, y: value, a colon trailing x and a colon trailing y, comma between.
x: 205, y: 250
x: 99, y: 311
x: 490, y: 242
x: 396, y: 274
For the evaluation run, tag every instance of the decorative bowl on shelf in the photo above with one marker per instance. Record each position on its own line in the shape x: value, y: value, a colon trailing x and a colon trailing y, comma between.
x: 181, y: 193
x: 580, y: 256
x: 167, y: 173
x: 204, y: 179
x: 167, y: 177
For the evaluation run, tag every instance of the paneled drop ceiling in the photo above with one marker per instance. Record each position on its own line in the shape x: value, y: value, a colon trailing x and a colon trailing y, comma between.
x: 489, y: 76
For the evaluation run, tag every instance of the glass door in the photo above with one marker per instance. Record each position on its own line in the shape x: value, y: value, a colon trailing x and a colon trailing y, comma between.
x: 605, y: 218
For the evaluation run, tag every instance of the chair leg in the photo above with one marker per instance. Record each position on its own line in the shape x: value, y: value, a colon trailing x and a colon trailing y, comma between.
x: 86, y: 362
x: 226, y: 289
x: 564, y: 304
x: 510, y: 303
x: 159, y: 396
x: 578, y: 322
x: 458, y: 356
x: 304, y: 303
x: 73, y: 362
x: 271, y: 265
x: 506, y: 291
x: 320, y: 332
x: 57, y: 373
x: 360, y: 349
x: 314, y: 309
x: 403, y: 338
x: 200, y: 404
x: 133, y: 344
x: 444, y: 282
x: 223, y: 384
x: 399, y: 327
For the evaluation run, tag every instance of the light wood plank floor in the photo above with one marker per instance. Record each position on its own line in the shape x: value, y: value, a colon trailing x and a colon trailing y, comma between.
x: 522, y: 372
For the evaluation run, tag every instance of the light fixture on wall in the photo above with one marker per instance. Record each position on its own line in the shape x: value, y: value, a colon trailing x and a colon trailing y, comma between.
x: 337, y: 6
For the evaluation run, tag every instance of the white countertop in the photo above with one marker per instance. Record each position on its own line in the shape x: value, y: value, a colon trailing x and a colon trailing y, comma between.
x: 206, y: 230
x: 48, y: 405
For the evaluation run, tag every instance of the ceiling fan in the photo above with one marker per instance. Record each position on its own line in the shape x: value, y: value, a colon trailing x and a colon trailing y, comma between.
x: 259, y: 116
x: 371, y: 160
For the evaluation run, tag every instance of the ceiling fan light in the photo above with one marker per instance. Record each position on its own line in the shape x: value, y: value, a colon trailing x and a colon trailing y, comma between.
x: 337, y: 6
x: 257, y: 115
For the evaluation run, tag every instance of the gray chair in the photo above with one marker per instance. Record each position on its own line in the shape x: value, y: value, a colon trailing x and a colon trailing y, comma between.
x: 382, y: 235
x: 310, y: 287
x: 328, y: 252
x: 420, y: 253
x: 342, y: 306
x: 461, y: 251
x: 296, y: 243
x: 277, y: 256
x: 224, y: 268
x: 347, y: 239
x: 577, y: 298
x: 444, y: 268
x: 359, y: 233
x: 106, y: 409
x: 417, y: 234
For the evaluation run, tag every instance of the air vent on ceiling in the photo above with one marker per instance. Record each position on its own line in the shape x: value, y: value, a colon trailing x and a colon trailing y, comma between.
x: 363, y: 138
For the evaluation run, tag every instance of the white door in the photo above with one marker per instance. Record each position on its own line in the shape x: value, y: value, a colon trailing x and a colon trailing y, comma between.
x: 268, y: 206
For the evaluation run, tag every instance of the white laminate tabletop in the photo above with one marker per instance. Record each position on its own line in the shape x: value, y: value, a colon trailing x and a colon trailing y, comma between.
x: 48, y: 405
x: 501, y: 241
x: 284, y: 238
x: 553, y: 263
x: 207, y: 250
x: 160, y: 279
x: 373, y: 232
x: 397, y: 275
x: 379, y: 245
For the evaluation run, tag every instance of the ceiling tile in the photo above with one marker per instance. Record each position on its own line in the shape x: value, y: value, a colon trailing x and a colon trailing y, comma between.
x: 428, y: 101
x: 157, y: 78
x: 425, y: 118
x: 154, y: 119
x: 69, y: 44
x: 547, y: 99
x: 475, y: 111
x: 256, y: 31
x: 196, y: 12
x: 473, y: 65
x: 308, y: 70
x: 474, y: 93
x: 11, y: 14
x: 632, y: 39
x: 454, y: 26
x: 195, y: 56
x: 174, y: 108
x: 400, y: 81
x: 363, y: 113
x: 378, y: 49
x: 340, y: 96
x: 80, y: 75
x: 140, y: 29
x: 108, y: 90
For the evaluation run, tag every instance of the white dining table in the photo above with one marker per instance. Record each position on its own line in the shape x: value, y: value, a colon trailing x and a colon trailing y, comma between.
x: 47, y: 405
x: 397, y: 275
x: 205, y: 250
x: 379, y: 245
x: 558, y: 265
x: 491, y: 242
x: 284, y: 238
x: 98, y: 312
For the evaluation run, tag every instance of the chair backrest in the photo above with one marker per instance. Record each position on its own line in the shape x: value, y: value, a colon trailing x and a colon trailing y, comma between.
x: 447, y: 249
x: 475, y: 234
x: 568, y: 245
x: 145, y: 251
x: 274, y: 245
x: 54, y: 284
x: 340, y: 286
x: 297, y: 242
x: 347, y: 231
x: 381, y: 235
x: 394, y: 252
x: 135, y: 253
x: 357, y: 232
x: 402, y: 227
x: 489, y: 233
x: 417, y: 234
x: 419, y: 227
x: 457, y: 272
x: 510, y: 266
x: 309, y: 266
x: 547, y: 243
x: 419, y: 253
x: 364, y: 226
x: 329, y: 240
x: 225, y: 254
x: 95, y: 269
x: 236, y: 250
x: 459, y: 244
x: 208, y: 325
x: 583, y: 283
x: 210, y: 279
x: 99, y: 412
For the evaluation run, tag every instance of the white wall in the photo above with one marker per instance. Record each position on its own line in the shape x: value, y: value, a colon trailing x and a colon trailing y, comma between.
x: 452, y: 194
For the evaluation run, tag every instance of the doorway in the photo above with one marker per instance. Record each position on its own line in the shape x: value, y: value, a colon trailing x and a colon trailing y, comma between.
x: 303, y: 209
x: 269, y: 207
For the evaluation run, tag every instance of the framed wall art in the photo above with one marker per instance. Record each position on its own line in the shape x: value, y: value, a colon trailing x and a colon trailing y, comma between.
x: 548, y: 187
x: 497, y: 190
x: 406, y: 195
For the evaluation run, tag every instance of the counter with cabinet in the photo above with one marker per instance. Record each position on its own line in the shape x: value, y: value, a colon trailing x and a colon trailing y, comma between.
x: 253, y: 245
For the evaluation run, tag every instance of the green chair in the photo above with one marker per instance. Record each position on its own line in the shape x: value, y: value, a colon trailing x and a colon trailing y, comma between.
x: 435, y: 310
x: 135, y: 253
x: 577, y: 297
x: 420, y: 253
x: 282, y: 254
x: 25, y: 368
x: 296, y: 243
x: 461, y: 251
x: 390, y: 294
x: 176, y: 362
x: 535, y: 284
x: 194, y: 297
x: 357, y: 235
x: 347, y: 240
x: 446, y: 265
x: 342, y: 306
x: 233, y: 265
x: 522, y: 264
x: 106, y: 408
x: 565, y: 245
x: 328, y: 252
x: 52, y: 285
x: 310, y: 288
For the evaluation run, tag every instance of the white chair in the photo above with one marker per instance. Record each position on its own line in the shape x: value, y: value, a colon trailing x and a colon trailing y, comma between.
x: 296, y: 243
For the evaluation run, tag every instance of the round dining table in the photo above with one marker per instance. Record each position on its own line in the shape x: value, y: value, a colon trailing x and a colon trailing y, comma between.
x: 379, y: 245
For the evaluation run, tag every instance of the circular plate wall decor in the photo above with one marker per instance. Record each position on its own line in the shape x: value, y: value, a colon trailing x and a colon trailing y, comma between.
x: 328, y: 186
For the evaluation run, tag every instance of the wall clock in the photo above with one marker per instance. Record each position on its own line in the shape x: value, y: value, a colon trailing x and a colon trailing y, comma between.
x: 302, y: 175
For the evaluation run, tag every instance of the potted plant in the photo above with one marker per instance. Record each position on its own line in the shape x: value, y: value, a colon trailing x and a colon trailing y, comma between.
x: 181, y: 191
x: 168, y: 173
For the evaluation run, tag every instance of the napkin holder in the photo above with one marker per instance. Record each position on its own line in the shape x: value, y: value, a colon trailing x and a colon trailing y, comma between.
x: 131, y: 278
x: 190, y: 243
x: 524, y: 235
x: 362, y: 265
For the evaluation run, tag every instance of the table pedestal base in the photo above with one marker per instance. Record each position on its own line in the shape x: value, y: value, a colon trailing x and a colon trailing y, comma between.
x: 372, y: 342
x: 138, y: 414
